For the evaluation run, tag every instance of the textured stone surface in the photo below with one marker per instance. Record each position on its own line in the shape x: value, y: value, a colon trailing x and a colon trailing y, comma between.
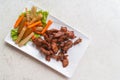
x: 99, y: 19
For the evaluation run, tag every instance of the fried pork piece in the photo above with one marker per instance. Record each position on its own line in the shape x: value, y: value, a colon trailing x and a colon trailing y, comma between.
x: 37, y: 41
x: 46, y: 37
x: 48, y: 57
x: 65, y: 62
x: 77, y: 41
x: 63, y: 58
x: 70, y: 34
x: 44, y: 51
x: 51, y: 31
x: 67, y: 45
x: 45, y: 44
x: 62, y: 44
x: 54, y: 47
x: 58, y: 34
x: 63, y: 38
x: 63, y: 29
x: 54, y: 40
x: 60, y: 56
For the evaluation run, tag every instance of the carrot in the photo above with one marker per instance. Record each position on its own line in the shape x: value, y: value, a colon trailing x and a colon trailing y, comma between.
x: 21, y: 25
x: 34, y: 24
x: 37, y: 32
x: 26, y: 24
x: 47, y: 26
x: 33, y: 29
x: 18, y: 21
x: 33, y: 37
x: 39, y: 25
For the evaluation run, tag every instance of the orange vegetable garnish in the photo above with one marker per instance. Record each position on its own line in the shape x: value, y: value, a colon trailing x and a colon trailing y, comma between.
x: 47, y: 26
x: 35, y: 24
x: 18, y: 21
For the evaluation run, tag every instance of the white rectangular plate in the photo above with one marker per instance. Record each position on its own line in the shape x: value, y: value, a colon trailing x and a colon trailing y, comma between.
x: 75, y: 53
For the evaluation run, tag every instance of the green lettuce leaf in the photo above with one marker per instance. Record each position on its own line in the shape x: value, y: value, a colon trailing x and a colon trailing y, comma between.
x: 44, y: 18
x: 14, y: 34
x: 36, y: 35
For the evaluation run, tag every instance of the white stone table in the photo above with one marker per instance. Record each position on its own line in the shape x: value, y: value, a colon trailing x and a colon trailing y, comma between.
x: 98, y: 19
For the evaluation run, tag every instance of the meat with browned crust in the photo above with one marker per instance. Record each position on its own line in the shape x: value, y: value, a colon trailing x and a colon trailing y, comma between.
x: 56, y: 44
x: 54, y: 47
x: 77, y: 41
x: 67, y: 45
